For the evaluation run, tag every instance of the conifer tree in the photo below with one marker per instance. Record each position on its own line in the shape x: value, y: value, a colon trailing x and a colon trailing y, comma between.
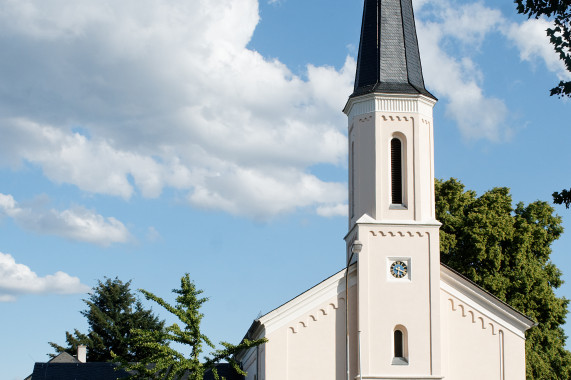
x: 112, y: 312
x: 166, y: 362
x: 506, y: 250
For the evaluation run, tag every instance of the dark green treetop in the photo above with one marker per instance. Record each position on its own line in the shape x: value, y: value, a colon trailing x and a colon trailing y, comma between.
x: 112, y: 312
x: 563, y: 197
x: 507, y: 250
x: 167, y: 362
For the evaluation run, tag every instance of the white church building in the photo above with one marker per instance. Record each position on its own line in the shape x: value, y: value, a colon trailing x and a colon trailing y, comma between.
x: 395, y: 312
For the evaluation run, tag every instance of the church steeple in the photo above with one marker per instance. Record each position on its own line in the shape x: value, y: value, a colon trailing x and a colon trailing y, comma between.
x: 389, y: 60
x: 390, y: 121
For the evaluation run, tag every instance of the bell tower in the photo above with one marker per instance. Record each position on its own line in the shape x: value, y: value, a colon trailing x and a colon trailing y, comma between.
x: 391, y: 202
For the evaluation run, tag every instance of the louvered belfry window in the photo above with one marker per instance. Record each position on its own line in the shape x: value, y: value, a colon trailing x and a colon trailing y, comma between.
x: 396, y: 171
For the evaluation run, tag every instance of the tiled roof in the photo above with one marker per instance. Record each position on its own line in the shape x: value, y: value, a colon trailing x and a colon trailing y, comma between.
x: 105, y: 371
x: 64, y: 357
x: 77, y: 371
x: 389, y: 60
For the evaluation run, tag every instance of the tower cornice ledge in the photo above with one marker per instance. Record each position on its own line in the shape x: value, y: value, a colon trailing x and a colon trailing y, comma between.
x: 397, y: 103
x: 367, y: 221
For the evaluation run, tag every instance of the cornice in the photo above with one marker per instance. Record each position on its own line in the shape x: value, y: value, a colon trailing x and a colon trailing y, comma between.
x: 394, y: 103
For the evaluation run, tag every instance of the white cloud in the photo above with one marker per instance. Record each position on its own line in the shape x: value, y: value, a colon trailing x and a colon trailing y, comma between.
x: 334, y: 210
x: 152, y: 234
x: 456, y: 77
x: 76, y: 223
x: 166, y: 94
x: 531, y: 40
x: 138, y: 96
x: 17, y: 279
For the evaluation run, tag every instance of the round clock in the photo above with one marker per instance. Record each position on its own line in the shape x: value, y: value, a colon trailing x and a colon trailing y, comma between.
x: 398, y: 269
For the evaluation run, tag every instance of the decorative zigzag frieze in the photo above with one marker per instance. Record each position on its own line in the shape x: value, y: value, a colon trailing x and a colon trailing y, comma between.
x: 397, y: 118
x: 315, y: 316
x: 474, y: 317
x: 399, y: 233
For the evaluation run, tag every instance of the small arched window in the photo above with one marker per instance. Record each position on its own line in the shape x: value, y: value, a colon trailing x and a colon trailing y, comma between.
x: 399, y: 353
x: 396, y: 171
x: 400, y: 346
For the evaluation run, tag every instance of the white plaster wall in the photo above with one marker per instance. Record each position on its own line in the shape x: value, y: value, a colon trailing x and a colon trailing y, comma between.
x: 373, y: 121
x: 477, y: 347
x: 412, y: 302
x: 312, y: 346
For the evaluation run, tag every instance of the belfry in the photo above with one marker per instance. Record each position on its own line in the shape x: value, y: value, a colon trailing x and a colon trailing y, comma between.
x: 394, y: 311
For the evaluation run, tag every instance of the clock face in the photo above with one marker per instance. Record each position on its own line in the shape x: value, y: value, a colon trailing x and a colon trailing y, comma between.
x: 398, y: 269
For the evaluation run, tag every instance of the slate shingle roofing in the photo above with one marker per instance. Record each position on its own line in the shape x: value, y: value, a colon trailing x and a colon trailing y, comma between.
x: 389, y: 60
x: 66, y: 367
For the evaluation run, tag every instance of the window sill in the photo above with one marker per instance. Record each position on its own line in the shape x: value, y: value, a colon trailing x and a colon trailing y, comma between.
x: 395, y: 206
x: 399, y: 361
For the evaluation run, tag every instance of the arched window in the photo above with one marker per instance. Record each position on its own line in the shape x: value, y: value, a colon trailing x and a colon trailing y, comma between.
x: 399, y: 352
x: 396, y: 171
x: 400, y: 346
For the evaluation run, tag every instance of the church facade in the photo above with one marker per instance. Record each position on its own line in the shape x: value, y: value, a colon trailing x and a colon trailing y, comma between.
x: 394, y: 312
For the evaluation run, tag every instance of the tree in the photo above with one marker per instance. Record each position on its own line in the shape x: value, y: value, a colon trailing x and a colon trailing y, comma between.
x: 559, y: 35
x: 112, y: 312
x: 168, y: 363
x: 564, y: 197
x: 506, y: 251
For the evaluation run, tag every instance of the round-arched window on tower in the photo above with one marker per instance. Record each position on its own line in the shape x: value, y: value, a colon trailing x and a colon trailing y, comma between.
x: 399, y: 349
x: 400, y: 346
x: 396, y: 171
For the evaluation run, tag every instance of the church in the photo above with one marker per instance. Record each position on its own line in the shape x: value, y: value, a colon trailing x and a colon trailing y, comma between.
x: 394, y: 312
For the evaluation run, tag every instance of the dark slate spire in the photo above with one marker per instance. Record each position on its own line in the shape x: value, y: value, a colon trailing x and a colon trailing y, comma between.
x: 389, y: 60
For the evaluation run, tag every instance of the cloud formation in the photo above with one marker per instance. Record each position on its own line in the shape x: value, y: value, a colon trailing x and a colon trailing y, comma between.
x: 76, y: 223
x: 18, y: 279
x: 450, y: 35
x: 456, y: 77
x: 130, y: 98
x: 127, y: 99
x: 531, y: 39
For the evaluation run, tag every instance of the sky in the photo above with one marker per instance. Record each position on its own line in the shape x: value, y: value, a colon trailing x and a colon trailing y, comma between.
x: 146, y: 139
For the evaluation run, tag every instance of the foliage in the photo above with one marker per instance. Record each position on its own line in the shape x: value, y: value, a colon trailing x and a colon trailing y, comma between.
x: 165, y: 361
x: 559, y: 35
x: 506, y: 251
x: 112, y: 312
x: 564, y: 197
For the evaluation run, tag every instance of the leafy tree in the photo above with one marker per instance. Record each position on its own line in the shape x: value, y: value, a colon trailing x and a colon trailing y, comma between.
x: 506, y: 251
x: 168, y: 363
x: 563, y: 197
x: 559, y: 35
x: 112, y: 312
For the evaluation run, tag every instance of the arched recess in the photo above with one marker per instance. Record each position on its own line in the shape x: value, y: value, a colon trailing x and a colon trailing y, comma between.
x: 398, y: 169
x: 400, y: 345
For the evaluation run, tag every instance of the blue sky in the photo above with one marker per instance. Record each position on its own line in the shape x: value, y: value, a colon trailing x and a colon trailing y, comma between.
x: 145, y: 139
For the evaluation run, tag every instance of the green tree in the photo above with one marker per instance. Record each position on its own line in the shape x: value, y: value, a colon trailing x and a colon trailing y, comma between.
x: 559, y: 36
x: 112, y: 313
x: 168, y: 363
x: 564, y: 197
x: 506, y: 250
